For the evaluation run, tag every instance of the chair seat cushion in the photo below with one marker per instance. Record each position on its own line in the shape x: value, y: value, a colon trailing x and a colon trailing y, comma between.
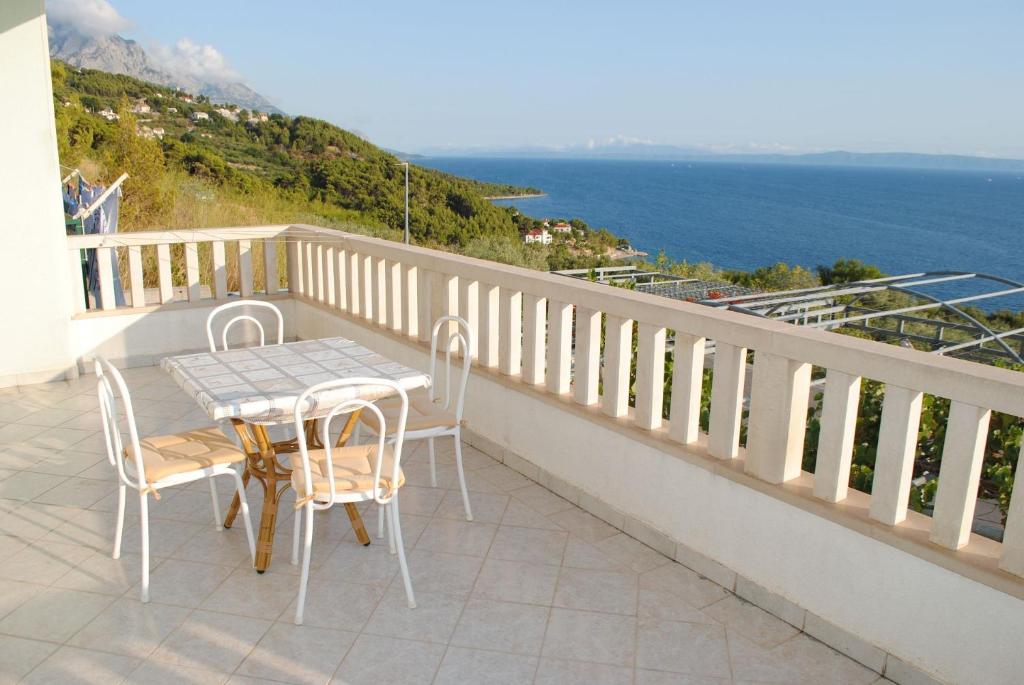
x: 423, y: 414
x: 353, y: 470
x: 169, y: 455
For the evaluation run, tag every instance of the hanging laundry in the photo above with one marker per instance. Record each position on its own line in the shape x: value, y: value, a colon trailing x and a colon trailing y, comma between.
x: 103, y: 220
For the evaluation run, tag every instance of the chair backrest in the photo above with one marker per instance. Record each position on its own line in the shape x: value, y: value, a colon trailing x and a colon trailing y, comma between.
x: 350, y: 388
x: 113, y: 395
x: 242, y: 317
x: 460, y: 341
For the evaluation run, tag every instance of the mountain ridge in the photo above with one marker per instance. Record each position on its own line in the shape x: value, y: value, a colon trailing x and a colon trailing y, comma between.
x: 117, y: 55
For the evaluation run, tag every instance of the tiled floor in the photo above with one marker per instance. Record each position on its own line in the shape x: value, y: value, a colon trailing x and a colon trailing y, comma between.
x: 534, y: 590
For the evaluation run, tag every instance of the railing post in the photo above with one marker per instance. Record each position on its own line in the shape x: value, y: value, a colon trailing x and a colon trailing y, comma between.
x: 559, y: 371
x: 618, y: 350
x: 309, y: 263
x: 534, y: 324
x: 245, y: 278
x: 447, y: 287
x: 588, y: 356
x: 368, y: 286
x: 394, y: 295
x: 778, y: 417
x: 380, y: 291
x: 469, y: 310
x: 135, y: 274
x: 411, y: 313
x: 220, y: 271
x: 650, y: 375
x: 730, y: 371
x: 1012, y: 560
x: 192, y: 271
x: 425, y: 304
x: 316, y: 264
x: 163, y: 269
x: 352, y: 274
x: 959, y: 475
x: 293, y: 264
x: 490, y: 310
x: 272, y: 281
x: 687, y: 385
x: 328, y: 275
x: 511, y: 332
x: 894, y: 461
x: 835, y: 440
x: 341, y: 279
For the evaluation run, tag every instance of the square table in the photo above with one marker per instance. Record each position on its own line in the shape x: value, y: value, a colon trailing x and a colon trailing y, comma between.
x: 258, y: 386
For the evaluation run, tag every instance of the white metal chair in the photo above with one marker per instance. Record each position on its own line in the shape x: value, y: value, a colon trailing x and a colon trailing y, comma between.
x: 431, y: 415
x: 242, y: 317
x: 358, y: 473
x: 151, y: 464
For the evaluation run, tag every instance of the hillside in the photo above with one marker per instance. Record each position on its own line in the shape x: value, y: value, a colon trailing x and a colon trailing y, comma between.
x: 182, y: 152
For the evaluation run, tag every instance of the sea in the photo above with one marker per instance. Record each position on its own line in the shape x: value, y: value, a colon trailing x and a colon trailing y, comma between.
x: 747, y: 215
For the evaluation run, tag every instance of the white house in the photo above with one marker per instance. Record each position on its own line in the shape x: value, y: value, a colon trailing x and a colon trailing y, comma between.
x: 196, y: 117
x: 562, y: 227
x: 109, y: 114
x: 227, y: 113
x: 537, y: 235
x: 140, y: 108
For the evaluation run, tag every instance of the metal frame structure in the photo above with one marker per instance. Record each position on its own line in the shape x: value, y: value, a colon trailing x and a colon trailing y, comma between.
x: 657, y: 283
x: 847, y: 305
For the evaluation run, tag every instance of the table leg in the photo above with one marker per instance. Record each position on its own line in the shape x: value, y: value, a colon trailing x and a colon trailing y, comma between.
x: 270, y: 477
x: 251, y: 454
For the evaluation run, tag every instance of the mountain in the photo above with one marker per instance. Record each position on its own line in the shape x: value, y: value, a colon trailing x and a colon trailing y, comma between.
x: 633, y: 150
x: 114, y: 54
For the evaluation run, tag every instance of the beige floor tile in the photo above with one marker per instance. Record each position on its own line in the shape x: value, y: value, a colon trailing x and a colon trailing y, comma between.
x: 53, y: 614
x: 751, y: 622
x: 607, y: 591
x: 164, y: 536
x: 463, y: 666
x: 15, y: 593
x: 159, y: 673
x: 11, y: 545
x: 800, y: 660
x: 297, y: 654
x: 73, y: 666
x: 43, y: 562
x: 505, y: 478
x: 183, y: 583
x: 452, y: 574
x: 682, y: 648
x: 354, y: 563
x: 517, y: 581
x: 91, y: 528
x: 227, y: 547
x: 475, y: 482
x: 211, y: 641
x: 105, y: 575
x: 610, y: 639
x: 71, y: 463
x: 130, y: 627
x: 335, y: 604
x: 529, y: 544
x: 49, y: 417
x: 194, y: 506
x: 681, y: 581
x: 646, y: 677
x: 417, y: 473
x: 18, y: 656
x: 631, y: 553
x: 663, y: 605
x: 487, y: 507
x: 248, y: 593
x: 409, y: 662
x: 584, y: 525
x: 582, y: 554
x: 422, y: 501
x: 433, y: 619
x: 522, y: 516
x: 501, y: 626
x: 457, y: 537
x: 564, y: 672
x: 76, y: 492
x: 28, y: 485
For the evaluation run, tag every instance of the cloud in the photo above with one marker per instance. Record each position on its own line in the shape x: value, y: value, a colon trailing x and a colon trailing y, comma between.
x: 190, y: 59
x: 92, y: 18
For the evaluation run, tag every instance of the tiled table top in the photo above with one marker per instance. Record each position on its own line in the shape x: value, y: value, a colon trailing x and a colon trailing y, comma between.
x: 261, y: 384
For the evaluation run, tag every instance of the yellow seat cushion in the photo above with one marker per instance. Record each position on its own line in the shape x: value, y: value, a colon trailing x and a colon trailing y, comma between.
x: 423, y: 414
x: 169, y: 455
x: 353, y: 470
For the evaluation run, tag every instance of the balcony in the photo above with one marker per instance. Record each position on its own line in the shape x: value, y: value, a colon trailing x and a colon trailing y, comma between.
x: 614, y: 541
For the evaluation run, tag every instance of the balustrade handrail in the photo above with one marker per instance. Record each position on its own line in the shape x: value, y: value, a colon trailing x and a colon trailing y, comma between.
x: 969, y: 382
x: 199, y: 235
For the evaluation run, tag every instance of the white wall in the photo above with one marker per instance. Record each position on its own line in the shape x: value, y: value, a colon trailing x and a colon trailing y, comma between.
x: 34, y: 274
x: 937, y: 620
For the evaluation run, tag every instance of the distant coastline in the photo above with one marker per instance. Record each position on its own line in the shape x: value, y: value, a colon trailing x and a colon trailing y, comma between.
x: 514, y: 197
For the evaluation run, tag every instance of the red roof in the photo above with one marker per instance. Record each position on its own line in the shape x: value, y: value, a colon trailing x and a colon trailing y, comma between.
x: 535, y: 231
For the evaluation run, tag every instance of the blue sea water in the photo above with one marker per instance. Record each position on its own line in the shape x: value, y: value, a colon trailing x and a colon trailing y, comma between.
x: 742, y: 216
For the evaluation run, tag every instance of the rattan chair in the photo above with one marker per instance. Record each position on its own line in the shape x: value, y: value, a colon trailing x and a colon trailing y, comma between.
x: 324, y: 477
x: 149, y: 465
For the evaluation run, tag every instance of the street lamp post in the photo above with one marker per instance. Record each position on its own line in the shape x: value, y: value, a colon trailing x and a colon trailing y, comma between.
x: 406, y: 202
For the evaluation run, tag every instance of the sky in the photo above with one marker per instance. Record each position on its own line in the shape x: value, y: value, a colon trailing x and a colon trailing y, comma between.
x: 742, y: 76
